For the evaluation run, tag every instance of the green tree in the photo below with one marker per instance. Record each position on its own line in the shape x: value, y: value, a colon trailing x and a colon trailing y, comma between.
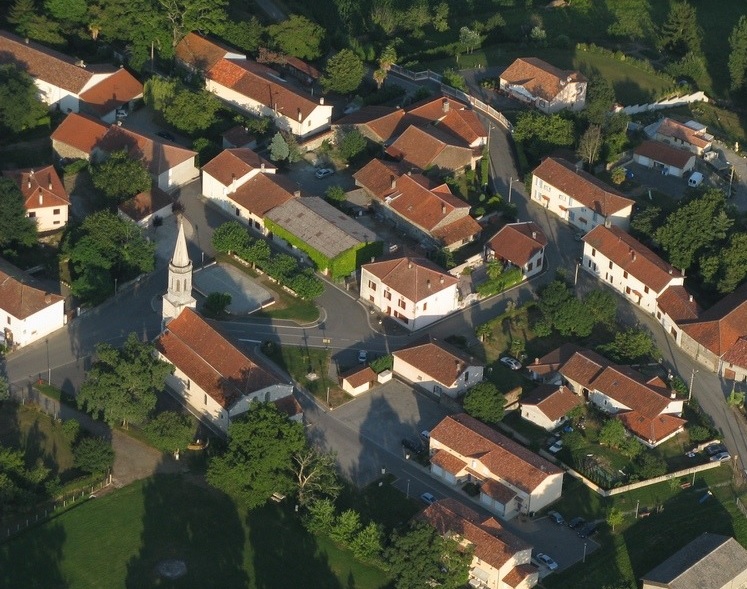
x: 738, y: 56
x: 573, y: 319
x: 120, y: 177
x: 615, y: 517
x: 335, y: 194
x: 612, y: 433
x: 230, y: 237
x: 315, y: 473
x: 454, y: 79
x: 367, y: 545
x: 350, y: 144
x: 93, y: 455
x: 601, y: 306
x: 16, y: 229
x: 733, y: 263
x: 279, y: 150
x: 259, y: 458
x: 681, y: 33
x: 484, y: 331
x: 736, y: 398
x: 71, y: 431
x: 632, y: 20
x: 574, y: 441
x: 630, y: 346
x: 648, y: 466
x: 694, y: 227
x: 246, y: 35
x: 387, y: 58
x: 600, y: 97
x: 590, y: 144
x: 344, y: 73
x: 122, y: 384
x: 71, y: 11
x: 553, y: 297
x: 646, y: 221
x: 298, y: 36
x: 192, y: 112
x: 631, y: 447
x: 441, y: 17
x: 469, y: 39
x: 170, y: 431
x: 184, y: 16
x: 618, y: 176
x: 321, y: 516
x: 346, y: 528
x: 4, y: 389
x: 20, y: 107
x: 698, y: 433
x: 420, y: 557
x: 159, y: 92
x: 541, y: 134
x: 484, y: 402
x: 216, y: 303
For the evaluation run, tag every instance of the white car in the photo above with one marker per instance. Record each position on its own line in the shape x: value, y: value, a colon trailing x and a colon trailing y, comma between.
x: 556, y: 447
x: 547, y: 561
x: 720, y: 457
x: 323, y: 172
x: 512, y: 363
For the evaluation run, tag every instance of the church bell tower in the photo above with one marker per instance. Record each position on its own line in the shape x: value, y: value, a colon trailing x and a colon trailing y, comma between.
x: 179, y: 293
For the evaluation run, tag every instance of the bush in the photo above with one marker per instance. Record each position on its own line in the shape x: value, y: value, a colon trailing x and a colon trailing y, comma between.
x: 71, y: 431
x: 170, y: 431
x: 455, y: 80
x: 74, y: 167
x: 506, y: 280
x: 383, y: 363
x: 216, y: 303
x: 93, y: 455
x: 698, y: 433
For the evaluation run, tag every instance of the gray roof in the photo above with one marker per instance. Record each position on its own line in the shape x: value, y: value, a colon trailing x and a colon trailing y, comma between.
x: 710, y: 561
x: 320, y: 225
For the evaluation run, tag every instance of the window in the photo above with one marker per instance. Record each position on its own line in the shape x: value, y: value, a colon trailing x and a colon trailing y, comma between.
x: 425, y: 306
x: 571, y: 215
x: 32, y: 215
x: 466, y: 376
x: 530, y: 266
x: 204, y: 399
x: 56, y: 223
x: 388, y: 295
x: 56, y: 212
x: 402, y: 304
x: 625, y: 274
x: 189, y: 382
x: 371, y: 298
x: 593, y: 253
x: 8, y: 319
x: 627, y: 290
x: 371, y: 285
x: 238, y: 212
x: 645, y: 289
x: 610, y: 264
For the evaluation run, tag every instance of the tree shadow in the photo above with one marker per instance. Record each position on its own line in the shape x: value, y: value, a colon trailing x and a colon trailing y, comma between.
x: 184, y: 522
x: 32, y: 560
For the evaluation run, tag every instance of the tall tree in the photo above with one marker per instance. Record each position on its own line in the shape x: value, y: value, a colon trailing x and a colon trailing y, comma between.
x: 590, y: 144
x: 484, y: 402
x: 540, y: 134
x: 119, y: 177
x: 93, y: 455
x: 733, y: 262
x: 629, y: 346
x: 680, y: 34
x: 16, y: 229
x: 170, y: 431
x: 387, y: 59
x: 298, y: 36
x: 20, y: 107
x: 259, y: 459
x: 632, y: 20
x: 316, y: 475
x: 600, y: 98
x: 738, y: 55
x: 344, y: 73
x: 184, y: 16
x: 122, y: 384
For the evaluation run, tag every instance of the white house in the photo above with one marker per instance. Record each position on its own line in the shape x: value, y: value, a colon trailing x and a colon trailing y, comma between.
x: 512, y: 478
x: 628, y: 266
x: 519, y: 244
x: 664, y: 158
x: 692, y: 135
x: 69, y: 84
x: 548, y: 405
x: 229, y: 170
x: 437, y: 368
x: 578, y: 197
x: 28, y: 313
x: 544, y: 86
x: 253, y: 87
x: 45, y: 197
x: 414, y: 291
x: 500, y: 560
x: 358, y: 380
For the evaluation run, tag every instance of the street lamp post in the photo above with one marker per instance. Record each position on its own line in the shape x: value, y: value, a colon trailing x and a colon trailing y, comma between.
x: 408, y: 489
x: 692, y: 378
x: 510, y: 188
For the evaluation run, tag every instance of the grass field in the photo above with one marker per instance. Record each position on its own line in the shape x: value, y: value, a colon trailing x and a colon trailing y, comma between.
x: 118, y: 540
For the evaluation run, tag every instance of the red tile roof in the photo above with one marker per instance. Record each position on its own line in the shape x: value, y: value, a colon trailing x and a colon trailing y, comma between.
x: 201, y: 53
x: 464, y: 229
x: 583, y: 367
x: 144, y: 204
x: 581, y: 186
x: 427, y: 209
x: 503, y: 457
x: 518, y: 242
x: 498, y: 491
x: 618, y: 384
x: 157, y: 155
x: 429, y: 147
x: 380, y: 178
x: 288, y: 405
x: 671, y: 128
x: 652, y: 429
x: 737, y: 354
x: 359, y: 376
x: 463, y: 123
x: 552, y: 361
x: 492, y: 543
x: 81, y: 132
x: 113, y: 92
x: 539, y: 77
x: 18, y: 296
x: 231, y: 164
x: 41, y: 188
x: 678, y: 303
x: 718, y: 328
x: 302, y: 67
x: 632, y: 256
x: 665, y: 154
x: 210, y: 360
x: 519, y: 573
x: 554, y: 401
x: 441, y: 363
x: 263, y: 192
x: 239, y: 136
x: 383, y: 122
x: 448, y: 462
x: 414, y: 278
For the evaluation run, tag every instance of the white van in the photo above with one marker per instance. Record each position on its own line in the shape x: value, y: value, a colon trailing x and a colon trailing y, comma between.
x: 695, y: 180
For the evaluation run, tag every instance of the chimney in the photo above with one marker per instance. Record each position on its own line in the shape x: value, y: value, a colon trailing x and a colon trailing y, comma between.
x: 409, y: 265
x: 441, y: 280
x: 47, y: 298
x: 670, y: 271
x: 26, y: 40
x: 690, y: 298
x: 633, y: 254
x: 262, y: 166
x: 394, y: 182
x: 300, y: 116
x: 321, y: 100
x: 534, y: 235
x: 428, y: 284
x: 673, y: 394
x: 296, y: 193
x: 41, y: 196
x: 50, y: 182
x: 233, y: 179
x: 443, y: 209
x: 445, y: 105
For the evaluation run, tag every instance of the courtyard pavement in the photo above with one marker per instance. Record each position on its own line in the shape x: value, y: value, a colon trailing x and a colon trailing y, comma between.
x: 247, y: 295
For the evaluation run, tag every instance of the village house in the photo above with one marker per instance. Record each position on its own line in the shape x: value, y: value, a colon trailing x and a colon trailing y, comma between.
x: 500, y: 560
x: 430, y: 149
x: 44, y: 196
x: 548, y: 405
x: 358, y: 380
x: 544, y: 86
x: 578, y: 197
x: 427, y: 210
x: 521, y: 245
x: 691, y: 135
x: 144, y: 208
x: 413, y: 291
x: 80, y: 137
x: 664, y: 158
x: 28, y: 312
x: 512, y: 479
x: 628, y: 266
x: 437, y: 367
x: 252, y: 87
x: 70, y: 85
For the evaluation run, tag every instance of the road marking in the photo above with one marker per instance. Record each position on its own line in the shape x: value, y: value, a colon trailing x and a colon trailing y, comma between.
x: 251, y: 341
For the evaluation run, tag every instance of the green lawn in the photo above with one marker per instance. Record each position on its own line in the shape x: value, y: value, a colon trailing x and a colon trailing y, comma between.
x: 117, y: 541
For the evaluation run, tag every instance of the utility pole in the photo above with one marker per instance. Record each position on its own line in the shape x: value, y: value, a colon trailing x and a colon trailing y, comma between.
x: 575, y: 278
x: 692, y: 378
x: 510, y: 187
x: 637, y: 503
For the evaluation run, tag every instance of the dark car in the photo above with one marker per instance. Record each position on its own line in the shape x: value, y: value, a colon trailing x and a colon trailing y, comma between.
x: 714, y: 449
x: 576, y: 522
x: 587, y: 530
x: 166, y: 135
x: 556, y: 517
x: 413, y: 445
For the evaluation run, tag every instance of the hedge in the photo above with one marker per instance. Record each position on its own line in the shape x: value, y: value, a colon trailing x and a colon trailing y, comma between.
x: 506, y: 280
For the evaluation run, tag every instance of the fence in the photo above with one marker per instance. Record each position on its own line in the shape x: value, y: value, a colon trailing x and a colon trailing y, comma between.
x: 454, y: 93
x: 667, y: 103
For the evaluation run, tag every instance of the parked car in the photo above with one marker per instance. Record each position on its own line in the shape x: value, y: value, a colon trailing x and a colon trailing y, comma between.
x: 362, y: 356
x: 512, y: 363
x: 547, y: 561
x: 425, y: 434
x: 428, y: 498
x: 714, y: 449
x: 576, y: 522
x: 121, y: 113
x: 556, y: 517
x: 324, y: 172
x: 720, y: 457
x: 166, y: 135
x: 556, y: 447
x: 413, y: 444
x: 587, y: 530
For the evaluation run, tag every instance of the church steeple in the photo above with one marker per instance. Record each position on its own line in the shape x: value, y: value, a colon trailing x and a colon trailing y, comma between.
x: 179, y: 293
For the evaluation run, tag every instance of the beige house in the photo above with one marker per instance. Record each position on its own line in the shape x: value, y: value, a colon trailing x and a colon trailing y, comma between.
x: 548, y: 405
x: 544, y: 86
x: 437, y: 367
x: 662, y: 157
x: 45, y: 197
x: 692, y: 135
x: 500, y: 560
x: 710, y: 561
x: 512, y: 478
x: 413, y: 291
x: 578, y: 197
x: 521, y: 245
x: 358, y: 380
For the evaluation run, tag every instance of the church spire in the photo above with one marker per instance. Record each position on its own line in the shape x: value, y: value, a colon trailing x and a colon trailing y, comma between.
x: 180, y: 259
x: 179, y: 293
